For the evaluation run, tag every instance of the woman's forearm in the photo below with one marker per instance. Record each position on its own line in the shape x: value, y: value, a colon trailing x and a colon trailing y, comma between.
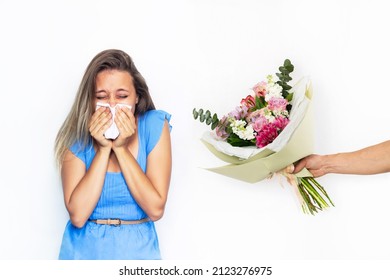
x: 142, y: 189
x: 84, y: 197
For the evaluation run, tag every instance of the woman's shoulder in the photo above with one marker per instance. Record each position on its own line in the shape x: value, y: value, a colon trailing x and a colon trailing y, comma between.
x: 155, y: 116
x: 82, y: 150
x: 152, y: 125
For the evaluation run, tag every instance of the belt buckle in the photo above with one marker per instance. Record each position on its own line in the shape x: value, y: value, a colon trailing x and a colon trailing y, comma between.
x: 115, y: 225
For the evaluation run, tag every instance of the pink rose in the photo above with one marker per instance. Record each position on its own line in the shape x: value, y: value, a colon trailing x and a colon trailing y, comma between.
x: 255, y: 114
x: 260, y: 89
x: 259, y: 122
x: 277, y: 104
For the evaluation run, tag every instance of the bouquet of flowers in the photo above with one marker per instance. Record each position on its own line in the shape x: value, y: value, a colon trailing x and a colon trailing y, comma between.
x: 266, y: 134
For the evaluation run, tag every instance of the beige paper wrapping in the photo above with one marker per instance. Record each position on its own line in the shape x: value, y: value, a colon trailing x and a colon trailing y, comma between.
x: 267, y: 162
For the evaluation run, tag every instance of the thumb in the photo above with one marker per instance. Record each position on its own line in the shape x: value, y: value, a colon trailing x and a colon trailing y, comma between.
x: 299, y: 165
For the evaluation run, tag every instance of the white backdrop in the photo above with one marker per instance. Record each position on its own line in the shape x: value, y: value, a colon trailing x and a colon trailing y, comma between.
x: 206, y: 54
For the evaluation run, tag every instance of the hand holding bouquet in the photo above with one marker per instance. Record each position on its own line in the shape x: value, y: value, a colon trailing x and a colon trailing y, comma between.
x: 266, y: 134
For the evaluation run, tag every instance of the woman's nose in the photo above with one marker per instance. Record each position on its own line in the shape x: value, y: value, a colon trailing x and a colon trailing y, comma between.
x: 112, y: 102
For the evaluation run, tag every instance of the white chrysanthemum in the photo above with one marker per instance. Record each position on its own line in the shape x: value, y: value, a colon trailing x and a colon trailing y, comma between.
x: 245, y: 133
x: 238, y: 124
x: 283, y: 113
x: 273, y: 90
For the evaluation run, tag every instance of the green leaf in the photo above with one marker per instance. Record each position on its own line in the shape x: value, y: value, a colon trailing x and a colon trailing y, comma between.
x: 206, y: 117
x: 283, y: 70
x: 290, y: 96
x: 236, y: 141
x: 289, y: 68
x: 207, y: 114
x: 284, y: 76
x: 287, y: 62
x: 214, y: 125
x: 259, y: 102
x: 195, y: 113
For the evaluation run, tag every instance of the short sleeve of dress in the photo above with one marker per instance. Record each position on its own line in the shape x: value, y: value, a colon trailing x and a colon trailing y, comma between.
x: 154, y: 122
x: 79, y: 151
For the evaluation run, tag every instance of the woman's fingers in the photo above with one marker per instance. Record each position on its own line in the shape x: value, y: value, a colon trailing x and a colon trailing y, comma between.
x: 98, y: 114
x: 100, y: 128
x: 99, y: 118
x: 100, y: 122
x: 313, y: 163
x: 128, y: 112
x: 125, y: 122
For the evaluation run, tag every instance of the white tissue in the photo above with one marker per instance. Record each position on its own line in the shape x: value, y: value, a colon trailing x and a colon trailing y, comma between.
x: 112, y: 132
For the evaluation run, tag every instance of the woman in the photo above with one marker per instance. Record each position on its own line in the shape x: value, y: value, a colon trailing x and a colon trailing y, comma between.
x: 370, y: 160
x: 114, y: 189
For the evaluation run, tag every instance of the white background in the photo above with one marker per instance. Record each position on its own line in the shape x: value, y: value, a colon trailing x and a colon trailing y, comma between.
x: 206, y: 54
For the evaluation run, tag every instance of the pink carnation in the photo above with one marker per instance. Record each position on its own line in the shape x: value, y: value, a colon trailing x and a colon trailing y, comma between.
x: 266, y: 135
x: 281, y: 122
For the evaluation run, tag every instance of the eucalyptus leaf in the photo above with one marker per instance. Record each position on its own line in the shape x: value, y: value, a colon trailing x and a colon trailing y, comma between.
x: 207, y: 114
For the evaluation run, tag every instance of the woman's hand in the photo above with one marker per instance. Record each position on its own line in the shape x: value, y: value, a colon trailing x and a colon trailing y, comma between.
x: 100, y: 122
x: 125, y: 121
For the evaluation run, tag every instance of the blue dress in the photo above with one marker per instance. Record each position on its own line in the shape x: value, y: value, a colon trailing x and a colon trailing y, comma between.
x: 95, y: 241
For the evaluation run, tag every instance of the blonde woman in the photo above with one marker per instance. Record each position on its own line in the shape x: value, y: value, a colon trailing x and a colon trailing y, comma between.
x: 114, y: 189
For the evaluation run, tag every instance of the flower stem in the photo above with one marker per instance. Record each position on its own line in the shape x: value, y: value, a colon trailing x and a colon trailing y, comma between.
x: 312, y: 199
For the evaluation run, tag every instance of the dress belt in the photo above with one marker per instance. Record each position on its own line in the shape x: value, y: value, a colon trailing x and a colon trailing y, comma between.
x: 118, y: 222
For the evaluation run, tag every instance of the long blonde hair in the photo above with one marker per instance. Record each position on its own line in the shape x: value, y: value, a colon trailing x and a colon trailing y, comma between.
x: 75, y: 127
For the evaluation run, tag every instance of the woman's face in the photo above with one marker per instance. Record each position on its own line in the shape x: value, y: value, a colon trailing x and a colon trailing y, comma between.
x: 114, y: 87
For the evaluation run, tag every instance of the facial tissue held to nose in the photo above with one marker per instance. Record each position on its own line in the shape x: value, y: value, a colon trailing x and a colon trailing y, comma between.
x: 112, y: 132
